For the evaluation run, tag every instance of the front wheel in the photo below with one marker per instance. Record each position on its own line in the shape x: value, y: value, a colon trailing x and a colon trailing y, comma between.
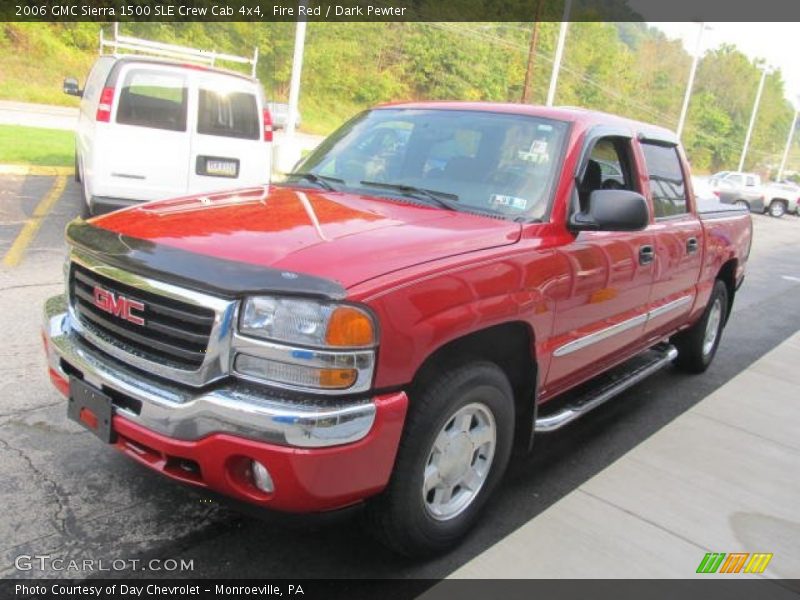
x: 455, y: 448
x: 698, y: 344
x: 777, y: 209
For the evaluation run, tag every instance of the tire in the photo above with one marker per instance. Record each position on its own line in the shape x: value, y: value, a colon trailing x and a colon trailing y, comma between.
x: 417, y: 523
x: 742, y: 204
x: 86, y: 209
x: 697, y: 346
x: 777, y: 209
x: 77, y: 169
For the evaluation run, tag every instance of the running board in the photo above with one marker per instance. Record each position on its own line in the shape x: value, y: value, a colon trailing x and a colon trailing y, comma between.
x: 616, y: 381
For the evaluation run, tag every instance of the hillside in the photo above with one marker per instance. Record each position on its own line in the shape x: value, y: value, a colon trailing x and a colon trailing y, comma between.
x: 623, y: 68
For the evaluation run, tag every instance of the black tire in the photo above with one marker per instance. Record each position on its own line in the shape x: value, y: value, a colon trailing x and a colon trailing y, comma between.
x: 694, y: 355
x: 743, y: 204
x: 777, y: 209
x: 399, y: 517
x: 77, y: 169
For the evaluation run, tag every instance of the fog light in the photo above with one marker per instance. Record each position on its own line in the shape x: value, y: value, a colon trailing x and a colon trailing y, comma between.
x: 261, y: 477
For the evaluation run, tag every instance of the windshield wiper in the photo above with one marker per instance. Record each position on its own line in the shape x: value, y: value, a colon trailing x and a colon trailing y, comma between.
x: 321, y: 180
x: 443, y: 199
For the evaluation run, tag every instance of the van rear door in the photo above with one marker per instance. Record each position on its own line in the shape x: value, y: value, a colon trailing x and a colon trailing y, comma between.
x: 146, y: 151
x: 228, y: 149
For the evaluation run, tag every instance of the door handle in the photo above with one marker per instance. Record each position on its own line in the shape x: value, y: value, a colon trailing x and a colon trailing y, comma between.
x: 691, y: 245
x: 646, y: 254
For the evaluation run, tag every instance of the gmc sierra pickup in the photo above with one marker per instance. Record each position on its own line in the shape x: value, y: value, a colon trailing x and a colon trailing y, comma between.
x: 435, y: 284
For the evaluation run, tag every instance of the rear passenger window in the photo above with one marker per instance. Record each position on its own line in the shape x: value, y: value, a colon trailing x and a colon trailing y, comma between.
x: 233, y: 114
x: 666, y: 180
x: 152, y: 99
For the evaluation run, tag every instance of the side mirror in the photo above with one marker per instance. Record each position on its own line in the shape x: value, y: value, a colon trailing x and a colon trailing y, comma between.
x: 71, y: 87
x: 612, y: 210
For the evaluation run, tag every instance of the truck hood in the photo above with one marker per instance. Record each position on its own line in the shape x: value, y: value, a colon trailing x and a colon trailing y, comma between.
x: 345, y: 237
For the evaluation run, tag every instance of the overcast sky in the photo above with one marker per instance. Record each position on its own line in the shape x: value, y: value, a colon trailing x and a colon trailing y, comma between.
x: 777, y: 43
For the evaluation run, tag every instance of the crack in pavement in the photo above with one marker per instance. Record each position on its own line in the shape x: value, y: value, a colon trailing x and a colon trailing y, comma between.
x: 64, y: 519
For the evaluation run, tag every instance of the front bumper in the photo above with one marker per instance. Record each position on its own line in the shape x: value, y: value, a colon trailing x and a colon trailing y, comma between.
x: 322, y: 454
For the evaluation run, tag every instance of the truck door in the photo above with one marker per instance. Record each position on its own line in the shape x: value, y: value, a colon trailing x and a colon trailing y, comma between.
x: 602, y: 316
x: 145, y: 151
x: 228, y: 146
x: 678, y: 237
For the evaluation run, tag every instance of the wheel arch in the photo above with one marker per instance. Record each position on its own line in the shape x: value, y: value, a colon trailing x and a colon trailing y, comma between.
x: 509, y: 345
x: 727, y: 274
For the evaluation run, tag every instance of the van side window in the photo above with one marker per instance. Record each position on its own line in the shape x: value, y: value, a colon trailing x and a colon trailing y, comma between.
x: 609, y: 168
x: 234, y: 114
x: 667, y: 186
x: 153, y: 99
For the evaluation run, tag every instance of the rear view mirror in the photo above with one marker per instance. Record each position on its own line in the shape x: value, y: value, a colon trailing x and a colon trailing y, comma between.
x: 71, y: 87
x: 612, y: 210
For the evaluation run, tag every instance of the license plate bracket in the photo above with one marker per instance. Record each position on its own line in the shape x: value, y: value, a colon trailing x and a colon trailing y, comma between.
x: 91, y: 408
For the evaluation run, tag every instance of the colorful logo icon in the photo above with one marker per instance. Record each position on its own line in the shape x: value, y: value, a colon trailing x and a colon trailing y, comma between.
x: 735, y: 562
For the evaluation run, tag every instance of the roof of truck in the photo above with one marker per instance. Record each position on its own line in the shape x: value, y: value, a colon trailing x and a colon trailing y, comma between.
x: 561, y: 113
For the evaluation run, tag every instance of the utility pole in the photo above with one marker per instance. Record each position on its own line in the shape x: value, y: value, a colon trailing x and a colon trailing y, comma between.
x: 788, y: 144
x: 562, y: 34
x: 294, y: 83
x: 753, y: 118
x: 685, y: 108
x: 526, y: 89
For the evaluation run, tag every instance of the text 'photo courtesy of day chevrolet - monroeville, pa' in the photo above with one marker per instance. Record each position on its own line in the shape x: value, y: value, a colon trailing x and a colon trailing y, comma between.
x: 399, y: 299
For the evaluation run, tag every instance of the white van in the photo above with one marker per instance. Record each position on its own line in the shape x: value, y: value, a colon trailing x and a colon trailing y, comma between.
x: 152, y: 128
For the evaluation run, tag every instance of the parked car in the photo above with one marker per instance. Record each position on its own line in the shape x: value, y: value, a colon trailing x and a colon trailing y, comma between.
x: 737, y: 178
x: 782, y: 198
x: 741, y: 191
x: 152, y: 128
x: 280, y: 114
x: 434, y: 286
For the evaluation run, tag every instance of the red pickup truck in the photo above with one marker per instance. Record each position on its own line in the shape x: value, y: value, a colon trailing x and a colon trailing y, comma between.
x: 433, y: 286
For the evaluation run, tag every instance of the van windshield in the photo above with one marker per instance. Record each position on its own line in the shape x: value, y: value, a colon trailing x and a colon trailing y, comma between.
x: 504, y: 164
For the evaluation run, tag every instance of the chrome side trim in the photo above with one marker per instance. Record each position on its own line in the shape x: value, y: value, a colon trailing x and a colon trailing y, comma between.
x: 181, y: 413
x: 215, y: 363
x: 599, y: 336
x: 669, y: 307
x: 570, y: 413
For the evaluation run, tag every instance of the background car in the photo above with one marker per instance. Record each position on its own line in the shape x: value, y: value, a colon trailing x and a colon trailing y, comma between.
x: 153, y: 128
x: 782, y: 198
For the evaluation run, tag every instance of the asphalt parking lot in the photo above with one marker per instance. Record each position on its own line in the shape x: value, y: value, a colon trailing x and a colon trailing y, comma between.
x: 65, y: 495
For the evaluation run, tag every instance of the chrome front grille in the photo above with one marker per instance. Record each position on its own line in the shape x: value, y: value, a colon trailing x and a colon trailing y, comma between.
x: 172, y: 332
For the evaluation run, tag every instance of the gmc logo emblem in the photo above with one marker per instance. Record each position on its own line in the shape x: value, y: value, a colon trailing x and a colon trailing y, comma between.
x: 117, y: 305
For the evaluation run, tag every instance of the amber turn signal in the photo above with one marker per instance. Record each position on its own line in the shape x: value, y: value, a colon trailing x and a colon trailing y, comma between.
x: 350, y: 327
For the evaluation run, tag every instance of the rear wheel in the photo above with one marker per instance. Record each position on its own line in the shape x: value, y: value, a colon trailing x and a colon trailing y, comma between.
x: 455, y: 448
x: 777, y: 209
x: 742, y: 204
x: 77, y: 169
x: 698, y: 344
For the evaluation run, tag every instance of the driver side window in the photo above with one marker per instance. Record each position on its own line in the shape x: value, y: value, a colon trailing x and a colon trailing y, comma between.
x: 609, y: 168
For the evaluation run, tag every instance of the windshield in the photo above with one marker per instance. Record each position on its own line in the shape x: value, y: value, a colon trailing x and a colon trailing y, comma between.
x: 503, y: 164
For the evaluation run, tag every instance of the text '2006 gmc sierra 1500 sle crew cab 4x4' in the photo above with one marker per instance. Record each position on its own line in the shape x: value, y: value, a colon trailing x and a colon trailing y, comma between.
x: 433, y: 286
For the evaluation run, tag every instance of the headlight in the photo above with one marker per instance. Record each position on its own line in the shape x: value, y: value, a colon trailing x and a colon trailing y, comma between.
x: 305, y: 345
x: 306, y: 322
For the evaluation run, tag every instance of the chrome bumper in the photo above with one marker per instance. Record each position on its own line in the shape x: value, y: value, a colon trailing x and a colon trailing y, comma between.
x: 185, y: 414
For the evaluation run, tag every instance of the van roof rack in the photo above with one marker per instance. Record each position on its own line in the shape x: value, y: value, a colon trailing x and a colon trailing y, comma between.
x: 203, y: 57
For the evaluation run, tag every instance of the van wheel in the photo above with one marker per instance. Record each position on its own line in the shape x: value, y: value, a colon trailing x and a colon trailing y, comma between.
x: 698, y: 344
x: 77, y: 169
x: 777, y: 209
x: 86, y: 209
x: 455, y: 448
